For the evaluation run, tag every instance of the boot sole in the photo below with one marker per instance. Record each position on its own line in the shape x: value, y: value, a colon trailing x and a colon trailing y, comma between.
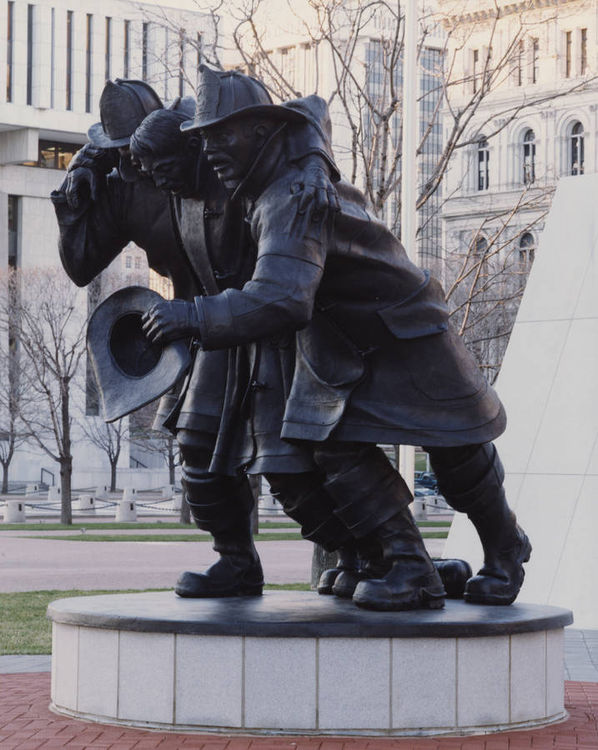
x: 425, y: 600
x: 496, y: 599
x: 224, y: 594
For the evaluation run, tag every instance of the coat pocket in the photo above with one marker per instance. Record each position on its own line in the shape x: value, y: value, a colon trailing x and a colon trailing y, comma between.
x: 424, y: 313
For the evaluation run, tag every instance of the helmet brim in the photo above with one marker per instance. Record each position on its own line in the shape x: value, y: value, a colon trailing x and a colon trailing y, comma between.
x: 272, y: 111
x: 130, y: 372
x: 97, y: 137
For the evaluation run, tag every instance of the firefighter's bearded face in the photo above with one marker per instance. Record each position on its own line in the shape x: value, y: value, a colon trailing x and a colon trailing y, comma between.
x: 232, y: 147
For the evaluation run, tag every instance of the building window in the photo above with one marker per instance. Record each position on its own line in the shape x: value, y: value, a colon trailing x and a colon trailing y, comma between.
x: 199, y: 42
x: 30, y: 11
x: 529, y: 157
x: 520, y: 51
x: 535, y: 64
x: 576, y: 149
x: 137, y: 263
x: 54, y: 155
x: 568, y: 53
x: 144, y: 50
x: 9, y: 49
x: 527, y: 249
x: 128, y: 261
x: 88, y: 54
x: 126, y: 48
x: 52, y: 56
x: 13, y: 231
x: 108, y: 50
x: 476, y: 65
x: 181, y: 62
x: 583, y: 49
x: 69, y: 59
x: 483, y: 164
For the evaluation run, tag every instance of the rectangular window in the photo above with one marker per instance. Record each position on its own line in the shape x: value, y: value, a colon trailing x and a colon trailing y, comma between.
x: 144, y: 50
x: 181, y: 62
x: 108, y: 50
x: 583, y: 66
x: 128, y: 261
x: 483, y: 166
x: 126, y: 48
x: 30, y: 11
x: 52, y: 56
x: 535, y: 55
x: 568, y: 55
x: 88, y: 53
x: 69, y: 59
x: 9, y: 49
x: 520, y: 63
x: 55, y: 155
x: 476, y: 63
x: 199, y: 50
x: 13, y: 231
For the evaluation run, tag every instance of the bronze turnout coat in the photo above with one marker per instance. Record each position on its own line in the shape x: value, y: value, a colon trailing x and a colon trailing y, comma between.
x: 373, y: 357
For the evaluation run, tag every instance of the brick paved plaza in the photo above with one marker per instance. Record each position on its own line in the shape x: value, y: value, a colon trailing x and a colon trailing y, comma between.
x: 27, y: 724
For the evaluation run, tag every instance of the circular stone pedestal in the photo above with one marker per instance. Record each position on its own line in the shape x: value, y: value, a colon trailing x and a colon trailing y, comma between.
x: 299, y: 663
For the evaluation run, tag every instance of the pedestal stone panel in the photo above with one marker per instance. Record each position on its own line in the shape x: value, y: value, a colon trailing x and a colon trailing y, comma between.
x: 299, y: 663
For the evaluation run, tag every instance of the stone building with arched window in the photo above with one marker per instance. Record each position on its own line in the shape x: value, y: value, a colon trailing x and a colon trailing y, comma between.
x: 538, y: 122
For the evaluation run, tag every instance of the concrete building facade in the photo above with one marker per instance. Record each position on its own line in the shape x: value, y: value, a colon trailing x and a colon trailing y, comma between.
x: 539, y: 122
x: 58, y: 54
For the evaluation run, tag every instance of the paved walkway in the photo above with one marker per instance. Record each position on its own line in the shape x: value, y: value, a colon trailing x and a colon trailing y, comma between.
x: 27, y: 724
x: 40, y: 564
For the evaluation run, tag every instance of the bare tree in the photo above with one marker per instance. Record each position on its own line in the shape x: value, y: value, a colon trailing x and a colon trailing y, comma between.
x: 14, y: 400
x: 109, y: 438
x: 486, y: 276
x: 42, y: 311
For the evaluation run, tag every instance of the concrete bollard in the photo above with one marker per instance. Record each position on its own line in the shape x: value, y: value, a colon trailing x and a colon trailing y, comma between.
x: 86, y: 503
x: 177, y: 500
x: 129, y: 493
x: 167, y: 491
x: 418, y: 509
x: 102, y: 491
x: 54, y: 494
x: 31, y: 489
x: 126, y: 511
x: 14, y: 511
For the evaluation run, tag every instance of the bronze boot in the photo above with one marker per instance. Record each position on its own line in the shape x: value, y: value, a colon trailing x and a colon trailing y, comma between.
x: 222, y: 505
x: 412, y: 581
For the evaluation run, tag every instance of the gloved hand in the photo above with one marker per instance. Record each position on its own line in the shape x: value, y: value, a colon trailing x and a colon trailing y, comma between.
x: 171, y: 320
x: 86, y: 168
x: 318, y: 193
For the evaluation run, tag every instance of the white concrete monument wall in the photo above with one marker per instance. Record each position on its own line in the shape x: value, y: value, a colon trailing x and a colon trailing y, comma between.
x: 549, y: 386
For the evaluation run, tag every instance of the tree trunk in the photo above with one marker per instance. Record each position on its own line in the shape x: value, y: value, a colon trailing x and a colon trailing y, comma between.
x: 185, y: 516
x: 171, y: 461
x: 66, y: 511
x: 113, y: 476
x: 254, y: 485
x: 321, y: 561
x: 4, y: 478
x: 66, y: 459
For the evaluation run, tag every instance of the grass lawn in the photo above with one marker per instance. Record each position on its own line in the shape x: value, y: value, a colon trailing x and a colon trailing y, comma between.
x: 274, y: 537
x: 42, y: 526
x: 25, y: 629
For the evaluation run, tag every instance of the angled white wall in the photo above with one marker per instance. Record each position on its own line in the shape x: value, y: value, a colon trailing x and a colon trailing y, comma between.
x: 549, y: 386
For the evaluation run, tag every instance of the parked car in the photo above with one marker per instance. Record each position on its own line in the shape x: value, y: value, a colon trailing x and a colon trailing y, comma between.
x: 426, y: 479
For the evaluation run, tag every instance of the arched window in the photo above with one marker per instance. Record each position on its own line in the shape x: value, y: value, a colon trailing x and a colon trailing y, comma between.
x: 483, y: 164
x: 529, y: 157
x: 527, y: 249
x: 576, y: 149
